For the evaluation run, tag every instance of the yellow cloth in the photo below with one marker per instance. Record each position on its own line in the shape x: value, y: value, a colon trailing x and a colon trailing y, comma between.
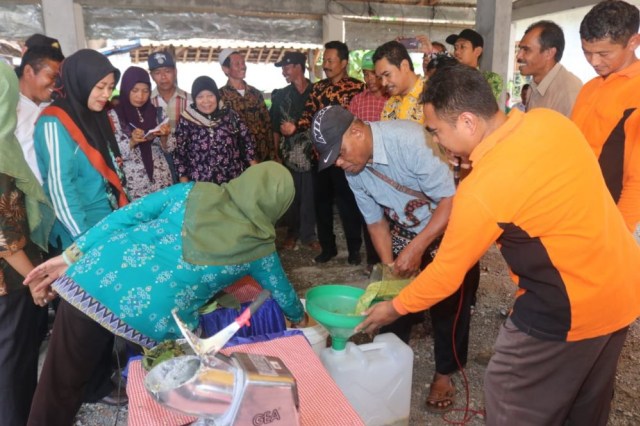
x: 385, y: 286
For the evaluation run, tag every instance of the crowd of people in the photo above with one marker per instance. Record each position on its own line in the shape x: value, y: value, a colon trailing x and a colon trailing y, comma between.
x: 122, y: 211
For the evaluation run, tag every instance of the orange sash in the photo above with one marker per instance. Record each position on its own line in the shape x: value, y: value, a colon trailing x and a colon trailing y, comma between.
x: 94, y: 156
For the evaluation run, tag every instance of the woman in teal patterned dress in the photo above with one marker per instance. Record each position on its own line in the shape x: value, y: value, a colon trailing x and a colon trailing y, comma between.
x: 174, y: 248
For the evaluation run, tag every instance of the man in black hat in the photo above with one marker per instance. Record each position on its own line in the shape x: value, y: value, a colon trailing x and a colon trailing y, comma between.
x: 287, y: 105
x: 167, y: 94
x: 467, y: 49
x: 43, y: 41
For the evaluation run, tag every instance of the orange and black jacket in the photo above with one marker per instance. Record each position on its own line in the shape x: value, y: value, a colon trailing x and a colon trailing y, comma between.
x: 537, y: 190
x: 607, y: 111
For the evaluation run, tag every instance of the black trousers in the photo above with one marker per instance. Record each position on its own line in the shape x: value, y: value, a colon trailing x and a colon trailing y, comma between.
x: 301, y: 216
x: 332, y: 183
x: 74, y: 355
x: 19, y: 344
x: 443, y: 320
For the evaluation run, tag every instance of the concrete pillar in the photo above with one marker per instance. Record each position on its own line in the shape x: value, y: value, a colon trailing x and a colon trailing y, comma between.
x: 493, y: 21
x: 332, y: 28
x: 63, y: 20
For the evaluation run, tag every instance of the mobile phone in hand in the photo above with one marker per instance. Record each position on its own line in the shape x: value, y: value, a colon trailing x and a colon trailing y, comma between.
x: 410, y: 42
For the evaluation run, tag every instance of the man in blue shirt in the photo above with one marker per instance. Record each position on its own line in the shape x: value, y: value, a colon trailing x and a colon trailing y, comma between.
x: 404, y: 189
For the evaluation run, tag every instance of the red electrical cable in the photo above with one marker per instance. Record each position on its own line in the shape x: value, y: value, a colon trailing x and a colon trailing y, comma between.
x: 468, y: 413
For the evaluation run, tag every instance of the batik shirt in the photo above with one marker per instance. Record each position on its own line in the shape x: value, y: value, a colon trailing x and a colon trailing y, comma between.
x: 215, y: 150
x: 255, y: 115
x: 14, y: 231
x: 138, y: 183
x: 325, y: 93
x: 407, y: 107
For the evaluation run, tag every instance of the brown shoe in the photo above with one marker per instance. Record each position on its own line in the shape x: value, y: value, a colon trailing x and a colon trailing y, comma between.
x: 289, y: 244
x: 314, y: 245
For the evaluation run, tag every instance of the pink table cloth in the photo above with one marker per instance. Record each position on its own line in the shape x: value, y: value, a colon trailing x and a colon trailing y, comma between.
x: 321, y: 401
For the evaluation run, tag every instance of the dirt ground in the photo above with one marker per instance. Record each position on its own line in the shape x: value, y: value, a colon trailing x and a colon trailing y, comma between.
x: 494, y: 295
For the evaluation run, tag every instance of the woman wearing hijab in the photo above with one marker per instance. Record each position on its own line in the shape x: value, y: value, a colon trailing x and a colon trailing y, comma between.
x: 144, y: 163
x: 79, y: 159
x: 212, y: 143
x: 76, y: 149
x: 26, y: 218
x: 174, y: 248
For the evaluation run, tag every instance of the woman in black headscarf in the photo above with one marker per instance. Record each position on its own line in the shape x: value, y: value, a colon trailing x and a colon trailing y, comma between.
x: 141, y: 139
x: 79, y: 158
x: 213, y: 144
x: 76, y: 148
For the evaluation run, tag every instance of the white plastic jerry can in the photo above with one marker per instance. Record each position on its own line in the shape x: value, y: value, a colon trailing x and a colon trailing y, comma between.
x: 375, y: 378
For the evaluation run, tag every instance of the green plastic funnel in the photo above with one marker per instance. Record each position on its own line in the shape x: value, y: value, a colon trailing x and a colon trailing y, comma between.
x: 333, y: 306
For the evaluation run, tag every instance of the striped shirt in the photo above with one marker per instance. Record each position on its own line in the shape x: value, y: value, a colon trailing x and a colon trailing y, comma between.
x: 174, y: 107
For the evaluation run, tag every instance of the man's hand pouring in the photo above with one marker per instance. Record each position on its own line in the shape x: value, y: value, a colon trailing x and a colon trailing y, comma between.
x: 380, y: 314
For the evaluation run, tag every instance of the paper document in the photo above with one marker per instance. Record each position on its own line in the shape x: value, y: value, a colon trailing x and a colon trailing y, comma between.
x: 156, y: 129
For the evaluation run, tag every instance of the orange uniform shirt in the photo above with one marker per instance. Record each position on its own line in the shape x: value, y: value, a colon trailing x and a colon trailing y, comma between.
x: 607, y: 111
x: 537, y: 190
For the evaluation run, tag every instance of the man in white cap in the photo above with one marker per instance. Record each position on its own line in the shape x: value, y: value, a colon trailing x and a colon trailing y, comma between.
x: 248, y: 102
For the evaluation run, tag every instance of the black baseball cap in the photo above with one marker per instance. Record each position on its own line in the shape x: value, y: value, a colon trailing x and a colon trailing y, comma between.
x: 292, y: 58
x: 327, y: 128
x: 42, y: 40
x: 161, y: 59
x: 467, y: 34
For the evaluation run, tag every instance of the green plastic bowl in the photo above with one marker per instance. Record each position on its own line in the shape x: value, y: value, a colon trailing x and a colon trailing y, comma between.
x: 333, y: 306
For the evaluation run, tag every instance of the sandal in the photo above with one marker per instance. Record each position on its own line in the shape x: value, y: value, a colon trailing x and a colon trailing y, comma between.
x: 442, y: 396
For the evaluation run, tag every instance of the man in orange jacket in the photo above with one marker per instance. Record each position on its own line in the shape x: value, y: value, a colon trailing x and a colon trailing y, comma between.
x: 535, y: 188
x: 607, y: 108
